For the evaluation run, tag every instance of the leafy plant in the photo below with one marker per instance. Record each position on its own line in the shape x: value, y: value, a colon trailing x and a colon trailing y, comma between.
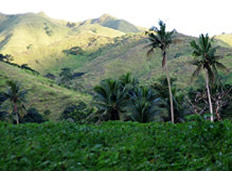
x: 143, y: 105
x: 32, y: 116
x: 110, y: 99
x: 77, y: 113
x: 196, y: 145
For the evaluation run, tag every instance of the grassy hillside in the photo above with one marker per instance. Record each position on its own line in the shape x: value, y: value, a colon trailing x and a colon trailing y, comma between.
x: 114, y: 23
x: 227, y: 38
x: 25, y: 31
x: 43, y: 94
x: 127, y: 54
x: 40, y: 41
x: 43, y: 43
x: 116, y: 146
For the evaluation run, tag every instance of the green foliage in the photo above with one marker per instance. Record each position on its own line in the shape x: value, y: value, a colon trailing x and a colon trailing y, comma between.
x: 143, y: 106
x: 110, y: 99
x: 70, y: 25
x: 76, y: 50
x: 32, y: 116
x: 179, y: 102
x: 6, y: 58
x: 65, y: 76
x: 44, y: 93
x: 16, y: 95
x: 159, y: 38
x: 3, y: 111
x: 48, y: 31
x: 126, y: 98
x: 77, y: 113
x: 206, y: 58
x: 116, y: 146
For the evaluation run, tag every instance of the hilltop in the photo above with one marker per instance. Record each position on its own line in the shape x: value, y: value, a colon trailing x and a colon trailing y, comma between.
x: 109, y: 21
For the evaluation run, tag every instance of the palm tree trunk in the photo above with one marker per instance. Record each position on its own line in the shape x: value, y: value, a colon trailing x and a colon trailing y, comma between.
x: 217, y: 113
x: 209, y: 95
x: 16, y: 113
x: 165, y: 67
x: 115, y: 115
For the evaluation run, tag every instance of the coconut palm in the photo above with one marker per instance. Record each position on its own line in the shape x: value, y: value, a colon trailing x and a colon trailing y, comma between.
x: 144, y: 105
x: 110, y: 99
x: 206, y: 59
x: 16, y: 96
x: 129, y: 82
x: 160, y: 38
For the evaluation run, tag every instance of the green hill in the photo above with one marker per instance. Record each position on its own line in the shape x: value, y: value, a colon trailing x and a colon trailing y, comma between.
x: 114, y: 23
x: 39, y: 41
x: 101, y: 52
x: 227, y: 38
x: 127, y: 54
x: 43, y: 94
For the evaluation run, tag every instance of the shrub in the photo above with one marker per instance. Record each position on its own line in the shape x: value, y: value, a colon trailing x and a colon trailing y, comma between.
x: 32, y: 116
x: 77, y: 113
x: 116, y: 146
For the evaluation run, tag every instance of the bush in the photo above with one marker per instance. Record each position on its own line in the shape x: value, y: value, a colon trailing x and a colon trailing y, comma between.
x: 116, y: 146
x: 32, y: 116
x: 76, y: 113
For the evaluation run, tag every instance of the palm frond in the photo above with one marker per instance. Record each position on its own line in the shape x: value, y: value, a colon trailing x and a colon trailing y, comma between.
x: 221, y: 66
x: 196, y: 72
x: 150, y: 52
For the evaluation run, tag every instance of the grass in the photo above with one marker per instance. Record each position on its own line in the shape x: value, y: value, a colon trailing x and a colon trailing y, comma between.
x: 116, y: 146
x: 43, y: 94
x: 227, y: 38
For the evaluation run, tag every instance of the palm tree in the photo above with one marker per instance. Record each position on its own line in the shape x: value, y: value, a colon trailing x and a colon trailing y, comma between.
x: 110, y: 99
x: 129, y: 83
x: 144, y: 105
x: 161, y: 39
x: 206, y: 59
x: 15, y: 96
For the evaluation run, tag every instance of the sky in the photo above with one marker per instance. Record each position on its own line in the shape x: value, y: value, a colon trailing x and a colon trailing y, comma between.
x: 191, y: 17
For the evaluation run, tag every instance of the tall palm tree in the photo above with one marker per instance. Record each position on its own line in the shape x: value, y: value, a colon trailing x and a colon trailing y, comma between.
x: 206, y: 59
x: 16, y: 96
x: 110, y: 99
x: 160, y: 38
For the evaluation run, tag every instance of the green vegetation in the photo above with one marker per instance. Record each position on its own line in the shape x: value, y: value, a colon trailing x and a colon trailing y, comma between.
x: 16, y: 95
x: 105, y: 52
x: 199, y: 145
x: 43, y: 94
x: 74, y: 74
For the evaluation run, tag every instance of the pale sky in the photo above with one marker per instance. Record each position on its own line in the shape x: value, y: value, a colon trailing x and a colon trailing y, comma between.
x: 190, y: 17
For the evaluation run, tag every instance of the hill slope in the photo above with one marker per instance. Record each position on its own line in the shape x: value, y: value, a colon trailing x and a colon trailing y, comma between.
x: 48, y: 45
x: 127, y: 54
x: 38, y: 40
x: 43, y: 94
x: 227, y: 38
